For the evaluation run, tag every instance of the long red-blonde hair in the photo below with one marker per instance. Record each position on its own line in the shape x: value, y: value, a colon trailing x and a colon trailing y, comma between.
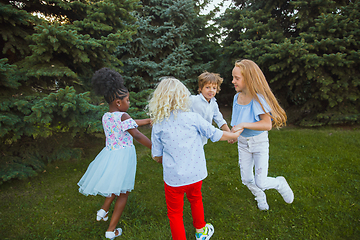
x: 256, y: 83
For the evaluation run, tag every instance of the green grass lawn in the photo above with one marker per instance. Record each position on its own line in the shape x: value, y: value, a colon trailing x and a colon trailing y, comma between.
x: 321, y: 165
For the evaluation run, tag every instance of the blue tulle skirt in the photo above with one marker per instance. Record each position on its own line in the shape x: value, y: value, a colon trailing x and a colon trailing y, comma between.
x: 111, y: 172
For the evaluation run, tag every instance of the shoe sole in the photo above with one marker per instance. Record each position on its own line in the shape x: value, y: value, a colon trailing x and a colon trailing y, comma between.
x: 210, y: 231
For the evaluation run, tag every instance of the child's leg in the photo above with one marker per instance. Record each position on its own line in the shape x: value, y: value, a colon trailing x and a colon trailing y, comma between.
x: 194, y: 195
x: 246, y: 163
x: 265, y: 182
x: 261, y: 172
x: 118, y: 210
x: 259, y: 147
x: 175, y: 204
x: 107, y: 202
x: 260, y: 150
x: 102, y: 214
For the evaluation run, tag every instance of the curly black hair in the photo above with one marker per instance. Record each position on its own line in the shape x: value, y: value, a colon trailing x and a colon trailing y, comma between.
x: 109, y: 83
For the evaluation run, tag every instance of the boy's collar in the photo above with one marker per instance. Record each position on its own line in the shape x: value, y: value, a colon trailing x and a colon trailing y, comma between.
x: 202, y: 97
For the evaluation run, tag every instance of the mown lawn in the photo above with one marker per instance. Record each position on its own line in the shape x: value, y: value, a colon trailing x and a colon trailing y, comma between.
x: 321, y: 165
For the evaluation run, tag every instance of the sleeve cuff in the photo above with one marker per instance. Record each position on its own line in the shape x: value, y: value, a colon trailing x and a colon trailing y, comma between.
x: 221, y: 123
x: 129, y: 124
x: 217, y: 135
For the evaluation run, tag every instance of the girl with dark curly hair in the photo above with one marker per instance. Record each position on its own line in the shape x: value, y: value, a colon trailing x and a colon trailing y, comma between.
x: 112, y: 173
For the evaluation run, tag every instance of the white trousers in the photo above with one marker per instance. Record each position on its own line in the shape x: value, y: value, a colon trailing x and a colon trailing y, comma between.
x: 254, y: 153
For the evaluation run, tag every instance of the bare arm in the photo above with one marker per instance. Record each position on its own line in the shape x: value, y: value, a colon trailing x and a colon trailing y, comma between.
x: 142, y: 122
x: 230, y: 135
x: 141, y: 138
x: 264, y: 124
x: 136, y: 134
x: 225, y: 127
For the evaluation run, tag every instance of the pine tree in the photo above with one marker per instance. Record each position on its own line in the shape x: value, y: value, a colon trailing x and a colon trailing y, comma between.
x: 171, y: 40
x: 332, y: 63
x: 308, y: 51
x: 49, y: 51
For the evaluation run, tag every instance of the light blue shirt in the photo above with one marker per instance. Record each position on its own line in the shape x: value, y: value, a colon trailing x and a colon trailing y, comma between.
x: 178, y: 141
x: 248, y: 113
x: 208, y: 110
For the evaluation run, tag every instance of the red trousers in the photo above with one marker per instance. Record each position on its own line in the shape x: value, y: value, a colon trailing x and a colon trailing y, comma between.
x: 175, y: 206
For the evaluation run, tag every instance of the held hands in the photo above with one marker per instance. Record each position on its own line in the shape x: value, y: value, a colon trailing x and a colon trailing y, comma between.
x: 232, y: 141
x: 236, y: 129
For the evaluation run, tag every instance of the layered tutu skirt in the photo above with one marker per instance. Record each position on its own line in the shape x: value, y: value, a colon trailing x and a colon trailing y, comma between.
x: 111, y: 172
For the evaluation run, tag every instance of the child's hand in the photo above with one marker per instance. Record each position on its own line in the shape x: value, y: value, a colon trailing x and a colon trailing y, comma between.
x: 231, y: 136
x: 233, y: 129
x: 158, y: 159
x: 236, y: 129
x: 142, y: 122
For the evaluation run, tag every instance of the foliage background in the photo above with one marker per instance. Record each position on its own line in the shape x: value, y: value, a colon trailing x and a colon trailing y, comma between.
x: 308, y: 50
x: 50, y: 50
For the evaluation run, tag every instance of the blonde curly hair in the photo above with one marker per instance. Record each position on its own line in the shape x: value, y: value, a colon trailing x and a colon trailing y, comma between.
x: 170, y: 95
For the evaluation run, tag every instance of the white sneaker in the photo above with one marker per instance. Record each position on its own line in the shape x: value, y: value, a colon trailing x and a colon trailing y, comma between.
x: 261, y: 202
x: 285, y: 190
x: 208, y: 232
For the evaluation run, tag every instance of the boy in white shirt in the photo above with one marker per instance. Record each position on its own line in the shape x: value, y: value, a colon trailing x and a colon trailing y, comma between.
x: 205, y: 102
